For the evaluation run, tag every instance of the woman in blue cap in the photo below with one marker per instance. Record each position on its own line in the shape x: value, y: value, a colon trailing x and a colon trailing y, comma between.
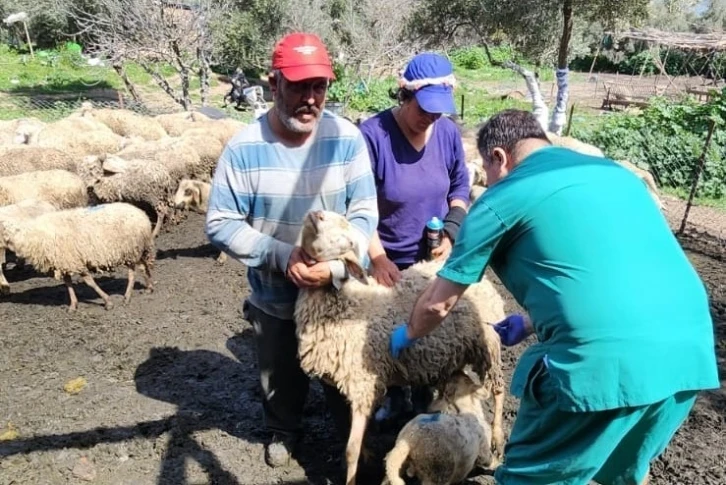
x: 420, y: 172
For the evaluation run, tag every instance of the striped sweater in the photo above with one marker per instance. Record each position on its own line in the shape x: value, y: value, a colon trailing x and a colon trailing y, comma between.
x: 262, y: 189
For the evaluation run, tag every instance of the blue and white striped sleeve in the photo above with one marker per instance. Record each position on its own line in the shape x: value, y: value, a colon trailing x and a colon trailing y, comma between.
x: 361, y: 195
x: 227, y: 224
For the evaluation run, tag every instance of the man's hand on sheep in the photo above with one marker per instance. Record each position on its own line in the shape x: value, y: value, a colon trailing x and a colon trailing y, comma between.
x: 400, y: 340
x: 305, y: 272
x: 513, y: 329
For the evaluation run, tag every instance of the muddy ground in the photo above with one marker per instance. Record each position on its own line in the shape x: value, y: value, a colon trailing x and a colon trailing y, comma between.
x: 172, y: 391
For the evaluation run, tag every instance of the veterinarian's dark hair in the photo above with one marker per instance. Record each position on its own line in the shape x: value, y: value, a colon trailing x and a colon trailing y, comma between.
x: 507, y: 128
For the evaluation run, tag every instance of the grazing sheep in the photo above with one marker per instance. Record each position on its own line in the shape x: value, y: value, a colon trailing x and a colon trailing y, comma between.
x: 85, y: 240
x: 25, y: 209
x: 209, y: 151
x: 61, y: 188
x: 18, y: 159
x: 443, y: 446
x: 18, y: 131
x: 194, y: 195
x: 177, y: 155
x: 222, y: 130
x: 79, y: 136
x: 176, y: 123
x: 125, y: 122
x: 344, y: 335
x: 139, y: 182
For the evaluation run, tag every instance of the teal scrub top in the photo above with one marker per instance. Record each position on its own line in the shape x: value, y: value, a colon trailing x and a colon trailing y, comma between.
x: 621, y: 315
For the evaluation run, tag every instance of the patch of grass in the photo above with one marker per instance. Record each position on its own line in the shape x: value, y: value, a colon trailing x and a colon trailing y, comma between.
x: 704, y: 201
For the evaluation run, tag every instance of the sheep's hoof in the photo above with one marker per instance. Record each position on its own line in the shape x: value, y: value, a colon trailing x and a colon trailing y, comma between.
x: 72, y: 309
x: 4, y: 290
x: 108, y: 305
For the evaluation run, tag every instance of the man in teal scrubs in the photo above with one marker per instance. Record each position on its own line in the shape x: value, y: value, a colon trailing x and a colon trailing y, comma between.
x: 625, y: 337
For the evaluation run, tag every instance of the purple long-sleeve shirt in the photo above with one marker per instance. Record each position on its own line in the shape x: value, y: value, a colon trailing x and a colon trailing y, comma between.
x: 413, y: 186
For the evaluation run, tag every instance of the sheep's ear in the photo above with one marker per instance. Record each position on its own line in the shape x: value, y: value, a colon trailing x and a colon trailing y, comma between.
x: 354, y: 268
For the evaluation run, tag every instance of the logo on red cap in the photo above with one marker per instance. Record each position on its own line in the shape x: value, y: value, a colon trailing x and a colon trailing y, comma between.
x: 302, y: 56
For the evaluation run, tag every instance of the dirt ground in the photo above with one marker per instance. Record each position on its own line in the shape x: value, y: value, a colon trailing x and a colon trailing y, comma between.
x: 172, y: 392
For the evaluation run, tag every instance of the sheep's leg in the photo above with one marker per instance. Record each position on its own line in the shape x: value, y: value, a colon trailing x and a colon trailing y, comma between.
x: 358, y: 425
x: 159, y: 222
x: 71, y: 293
x: 4, y: 285
x: 497, y: 430
x: 130, y: 285
x: 88, y: 279
x: 147, y: 278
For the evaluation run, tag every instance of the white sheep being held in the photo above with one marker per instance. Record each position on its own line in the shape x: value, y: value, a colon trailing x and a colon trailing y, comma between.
x: 344, y: 334
x: 84, y: 240
x: 443, y: 446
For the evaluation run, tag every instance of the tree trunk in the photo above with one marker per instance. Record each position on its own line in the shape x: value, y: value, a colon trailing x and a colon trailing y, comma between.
x: 118, y: 67
x: 559, y: 113
x: 539, y: 108
x: 203, y: 74
x: 183, y: 70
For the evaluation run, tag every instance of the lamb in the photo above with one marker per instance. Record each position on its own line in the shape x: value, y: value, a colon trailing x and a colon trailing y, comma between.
x: 26, y: 209
x: 344, y: 335
x: 443, y: 446
x: 84, y: 240
x: 17, y: 159
x: 141, y: 182
x: 587, y: 149
x: 61, y: 188
x: 194, y: 195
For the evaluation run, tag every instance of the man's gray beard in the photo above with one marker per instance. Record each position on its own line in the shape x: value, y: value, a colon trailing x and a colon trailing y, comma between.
x: 293, y: 124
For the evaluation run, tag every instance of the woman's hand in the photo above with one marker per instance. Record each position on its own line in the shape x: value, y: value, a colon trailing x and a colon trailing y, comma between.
x: 444, y: 249
x: 385, y: 271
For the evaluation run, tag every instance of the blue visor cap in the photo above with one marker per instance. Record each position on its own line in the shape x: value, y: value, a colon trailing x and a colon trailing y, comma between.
x: 436, y: 96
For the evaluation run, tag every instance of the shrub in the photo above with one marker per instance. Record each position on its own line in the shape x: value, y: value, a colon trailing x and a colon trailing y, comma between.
x: 668, y: 139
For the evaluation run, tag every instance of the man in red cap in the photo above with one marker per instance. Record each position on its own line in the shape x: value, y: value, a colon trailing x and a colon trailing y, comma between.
x: 293, y: 159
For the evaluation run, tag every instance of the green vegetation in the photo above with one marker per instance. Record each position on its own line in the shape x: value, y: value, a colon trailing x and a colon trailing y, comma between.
x: 668, y: 138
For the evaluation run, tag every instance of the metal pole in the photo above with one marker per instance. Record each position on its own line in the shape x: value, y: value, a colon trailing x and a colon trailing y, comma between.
x: 696, y: 177
x: 462, y: 107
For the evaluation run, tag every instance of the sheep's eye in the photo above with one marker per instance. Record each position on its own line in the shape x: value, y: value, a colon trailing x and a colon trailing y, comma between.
x: 188, y: 192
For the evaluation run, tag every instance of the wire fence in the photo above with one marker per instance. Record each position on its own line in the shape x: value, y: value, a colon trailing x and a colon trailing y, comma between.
x: 676, y: 175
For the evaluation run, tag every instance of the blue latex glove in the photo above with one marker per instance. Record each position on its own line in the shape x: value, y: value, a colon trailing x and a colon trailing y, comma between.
x: 512, y: 330
x: 399, y: 340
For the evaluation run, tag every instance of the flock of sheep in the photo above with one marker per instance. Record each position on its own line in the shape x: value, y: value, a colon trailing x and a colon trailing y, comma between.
x: 78, y: 196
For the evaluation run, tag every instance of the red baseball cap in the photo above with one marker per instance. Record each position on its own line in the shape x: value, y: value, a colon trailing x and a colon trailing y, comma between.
x: 302, y: 56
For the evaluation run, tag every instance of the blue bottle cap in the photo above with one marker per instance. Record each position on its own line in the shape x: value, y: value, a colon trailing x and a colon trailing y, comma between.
x: 435, y: 224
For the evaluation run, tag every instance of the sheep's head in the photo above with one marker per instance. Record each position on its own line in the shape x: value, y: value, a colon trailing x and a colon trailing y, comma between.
x: 326, y: 236
x: 188, y: 195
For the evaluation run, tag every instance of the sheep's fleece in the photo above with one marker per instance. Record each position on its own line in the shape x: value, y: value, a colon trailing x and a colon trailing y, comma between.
x: 84, y: 239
